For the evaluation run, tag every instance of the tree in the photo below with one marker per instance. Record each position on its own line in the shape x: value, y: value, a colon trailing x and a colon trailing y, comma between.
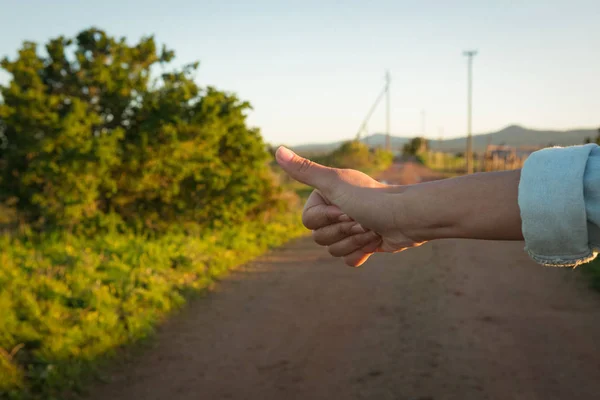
x: 356, y: 155
x: 415, y: 146
x: 88, y: 130
x: 351, y: 154
x: 596, y: 140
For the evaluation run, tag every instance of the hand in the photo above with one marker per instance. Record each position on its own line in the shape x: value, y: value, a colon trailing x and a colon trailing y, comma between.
x: 344, y: 196
x: 343, y: 236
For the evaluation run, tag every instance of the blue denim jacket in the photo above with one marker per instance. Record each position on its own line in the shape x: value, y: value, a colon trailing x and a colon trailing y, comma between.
x: 559, y: 199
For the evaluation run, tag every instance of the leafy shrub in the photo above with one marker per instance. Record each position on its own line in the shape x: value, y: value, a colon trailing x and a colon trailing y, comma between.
x: 86, y: 131
x: 68, y: 301
x: 120, y: 192
x: 356, y: 155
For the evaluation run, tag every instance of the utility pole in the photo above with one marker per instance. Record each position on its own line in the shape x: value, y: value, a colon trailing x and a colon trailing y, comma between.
x: 439, y: 146
x: 469, y: 54
x: 388, y: 80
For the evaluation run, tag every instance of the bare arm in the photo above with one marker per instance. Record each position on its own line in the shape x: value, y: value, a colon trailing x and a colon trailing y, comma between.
x: 394, y: 218
x: 480, y: 206
x: 553, y: 204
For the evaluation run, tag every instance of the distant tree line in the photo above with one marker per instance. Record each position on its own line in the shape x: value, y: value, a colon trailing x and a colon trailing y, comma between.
x: 356, y: 155
x: 415, y: 146
x: 596, y: 140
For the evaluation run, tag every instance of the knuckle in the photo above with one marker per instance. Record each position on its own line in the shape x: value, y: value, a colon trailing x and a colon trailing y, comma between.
x: 357, y: 240
x: 340, y: 173
x: 345, y: 229
x: 330, y: 215
x: 305, y: 165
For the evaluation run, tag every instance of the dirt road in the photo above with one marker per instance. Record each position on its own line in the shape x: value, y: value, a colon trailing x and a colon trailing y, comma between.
x: 449, y: 320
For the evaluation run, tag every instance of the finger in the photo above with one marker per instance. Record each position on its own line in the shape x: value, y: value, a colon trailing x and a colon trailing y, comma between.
x: 360, y: 256
x: 319, y: 213
x: 352, y: 243
x: 357, y: 258
x: 333, y: 233
x: 387, y: 248
x: 316, y: 199
x: 306, y: 171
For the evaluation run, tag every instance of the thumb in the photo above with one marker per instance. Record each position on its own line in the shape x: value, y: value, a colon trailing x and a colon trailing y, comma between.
x: 306, y: 171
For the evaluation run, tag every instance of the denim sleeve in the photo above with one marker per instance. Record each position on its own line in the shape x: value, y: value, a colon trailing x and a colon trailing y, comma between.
x: 559, y: 199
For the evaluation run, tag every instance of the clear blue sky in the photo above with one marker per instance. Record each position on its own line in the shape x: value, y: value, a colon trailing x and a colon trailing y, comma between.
x: 311, y: 69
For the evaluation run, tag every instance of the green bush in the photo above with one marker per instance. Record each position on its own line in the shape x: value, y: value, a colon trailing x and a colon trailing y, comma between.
x: 356, y: 155
x: 120, y: 192
x: 415, y: 146
x: 68, y: 301
x: 87, y: 131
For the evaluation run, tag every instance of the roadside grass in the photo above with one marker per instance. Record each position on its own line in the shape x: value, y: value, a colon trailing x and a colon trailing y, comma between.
x: 68, y: 302
x: 591, y: 271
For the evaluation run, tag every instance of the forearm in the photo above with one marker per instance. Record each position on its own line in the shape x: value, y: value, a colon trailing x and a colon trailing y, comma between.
x: 479, y: 206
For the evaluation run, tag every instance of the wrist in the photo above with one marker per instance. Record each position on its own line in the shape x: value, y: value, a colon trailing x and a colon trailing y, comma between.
x: 426, y: 211
x: 479, y: 206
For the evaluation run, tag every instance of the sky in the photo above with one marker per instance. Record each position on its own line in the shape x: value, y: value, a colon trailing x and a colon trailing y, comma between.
x: 312, y: 69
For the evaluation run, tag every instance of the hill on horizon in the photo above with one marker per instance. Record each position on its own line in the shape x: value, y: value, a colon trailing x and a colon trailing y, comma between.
x: 513, y: 135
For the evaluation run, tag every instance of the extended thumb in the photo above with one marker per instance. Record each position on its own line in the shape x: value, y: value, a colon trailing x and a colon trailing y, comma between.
x: 304, y: 170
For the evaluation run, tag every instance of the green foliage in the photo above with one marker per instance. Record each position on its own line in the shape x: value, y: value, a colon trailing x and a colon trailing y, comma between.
x: 381, y: 159
x: 596, y: 140
x: 351, y: 154
x: 68, y: 301
x: 443, y: 162
x: 357, y: 155
x: 415, y: 146
x: 87, y: 132
x: 120, y: 192
x: 592, y: 271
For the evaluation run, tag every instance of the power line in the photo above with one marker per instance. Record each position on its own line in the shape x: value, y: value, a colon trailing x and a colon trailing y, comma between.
x: 384, y: 92
x: 388, y: 81
x: 363, y: 126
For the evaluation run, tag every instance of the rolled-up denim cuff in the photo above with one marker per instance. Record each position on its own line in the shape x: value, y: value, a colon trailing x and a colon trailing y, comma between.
x: 552, y: 204
x: 562, y: 261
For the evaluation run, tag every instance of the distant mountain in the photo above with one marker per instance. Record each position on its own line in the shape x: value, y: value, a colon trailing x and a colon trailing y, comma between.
x: 518, y: 136
x: 375, y: 140
x: 314, y: 148
x: 513, y: 135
